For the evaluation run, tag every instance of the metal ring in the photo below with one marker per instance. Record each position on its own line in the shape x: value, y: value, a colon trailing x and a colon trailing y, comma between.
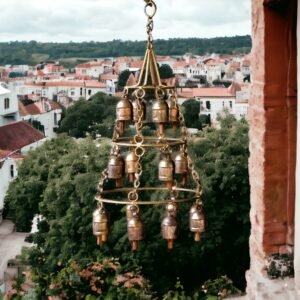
x: 152, y: 5
x: 145, y: 202
x: 139, y: 151
x: 133, y: 196
x: 159, y: 93
x: 140, y: 93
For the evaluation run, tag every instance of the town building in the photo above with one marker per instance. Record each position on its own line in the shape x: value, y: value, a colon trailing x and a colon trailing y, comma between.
x: 8, y: 106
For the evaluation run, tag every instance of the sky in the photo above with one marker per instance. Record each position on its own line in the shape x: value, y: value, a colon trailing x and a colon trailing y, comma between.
x: 105, y: 20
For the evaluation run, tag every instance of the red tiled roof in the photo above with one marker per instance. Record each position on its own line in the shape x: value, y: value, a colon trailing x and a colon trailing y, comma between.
x: 109, y: 77
x: 137, y: 64
x: 204, y: 92
x: 36, y: 108
x: 81, y: 83
x: 9, y: 153
x: 17, y: 135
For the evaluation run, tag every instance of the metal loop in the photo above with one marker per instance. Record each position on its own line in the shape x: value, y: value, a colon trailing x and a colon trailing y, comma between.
x: 133, y: 196
x: 159, y: 93
x: 152, y: 5
x: 140, y: 93
x: 138, y: 139
x: 139, y: 151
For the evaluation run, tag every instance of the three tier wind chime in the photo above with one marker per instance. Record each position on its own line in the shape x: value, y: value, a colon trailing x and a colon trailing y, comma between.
x: 149, y: 101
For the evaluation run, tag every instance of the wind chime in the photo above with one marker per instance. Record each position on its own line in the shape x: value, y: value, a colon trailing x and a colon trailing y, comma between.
x: 149, y: 99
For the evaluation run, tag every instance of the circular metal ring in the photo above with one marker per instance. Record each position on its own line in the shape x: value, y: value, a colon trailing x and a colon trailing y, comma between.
x: 159, y: 93
x: 133, y: 196
x: 153, y: 6
x: 140, y: 93
x: 194, y: 197
x: 150, y: 142
x: 139, y: 151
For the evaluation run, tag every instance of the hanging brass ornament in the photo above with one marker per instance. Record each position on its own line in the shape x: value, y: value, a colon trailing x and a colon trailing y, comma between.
x: 197, y: 221
x: 169, y: 224
x: 128, y: 152
x: 100, y: 225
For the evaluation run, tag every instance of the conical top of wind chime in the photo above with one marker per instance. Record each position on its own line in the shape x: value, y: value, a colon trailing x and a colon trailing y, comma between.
x: 144, y: 102
x: 149, y: 75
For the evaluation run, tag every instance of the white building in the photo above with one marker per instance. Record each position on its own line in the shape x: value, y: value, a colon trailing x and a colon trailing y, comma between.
x: 71, y: 89
x: 47, y: 112
x: 91, y: 69
x: 9, y: 163
x: 8, y: 106
x: 214, y: 101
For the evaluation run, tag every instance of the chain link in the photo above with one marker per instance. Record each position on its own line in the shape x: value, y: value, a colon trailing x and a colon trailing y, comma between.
x: 150, y: 24
x: 191, y: 166
x: 139, y: 150
x: 103, y: 178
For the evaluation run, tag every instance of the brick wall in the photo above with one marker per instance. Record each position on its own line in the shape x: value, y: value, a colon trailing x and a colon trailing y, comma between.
x: 272, y: 118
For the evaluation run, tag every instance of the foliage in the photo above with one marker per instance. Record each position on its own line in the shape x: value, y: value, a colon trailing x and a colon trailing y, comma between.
x: 17, y: 74
x: 221, y: 287
x: 191, y: 111
x: 67, y: 171
x: 280, y: 266
x: 33, y: 52
x: 225, y: 83
x: 94, y: 117
x: 37, y: 125
x: 165, y: 71
x: 190, y: 84
x: 98, y: 280
x: 122, y: 79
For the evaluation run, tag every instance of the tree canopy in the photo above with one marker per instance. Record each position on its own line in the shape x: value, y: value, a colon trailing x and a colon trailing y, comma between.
x: 58, y: 180
x: 34, y: 52
x: 95, y: 117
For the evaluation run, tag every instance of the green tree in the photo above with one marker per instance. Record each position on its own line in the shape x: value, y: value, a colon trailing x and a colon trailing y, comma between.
x: 122, y: 80
x: 88, y: 117
x: 68, y: 176
x: 166, y: 71
x: 191, y: 111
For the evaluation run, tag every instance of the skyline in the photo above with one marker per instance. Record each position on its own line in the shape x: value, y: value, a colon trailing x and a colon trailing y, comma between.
x: 95, y: 20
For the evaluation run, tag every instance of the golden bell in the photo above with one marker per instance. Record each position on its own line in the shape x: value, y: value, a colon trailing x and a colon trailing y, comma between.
x: 166, y: 171
x: 135, y: 229
x: 116, y: 167
x: 124, y: 113
x: 131, y: 210
x: 160, y: 114
x: 197, y: 221
x: 181, y: 167
x: 169, y: 225
x: 135, y: 110
x: 131, y: 165
x: 100, y: 225
x: 173, y: 113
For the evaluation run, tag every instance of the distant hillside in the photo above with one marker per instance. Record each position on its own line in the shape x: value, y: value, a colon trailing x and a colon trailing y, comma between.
x: 31, y: 52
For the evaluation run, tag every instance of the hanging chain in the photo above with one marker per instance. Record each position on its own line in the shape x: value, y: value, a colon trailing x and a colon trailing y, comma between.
x: 150, y: 11
x: 191, y: 166
x: 138, y: 140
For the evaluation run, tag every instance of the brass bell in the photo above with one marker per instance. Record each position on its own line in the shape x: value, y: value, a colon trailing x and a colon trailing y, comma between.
x: 166, y: 171
x: 160, y: 114
x: 197, y: 221
x: 135, y: 229
x: 131, y: 165
x: 124, y: 113
x: 100, y: 225
x: 131, y: 210
x: 169, y: 225
x: 181, y: 167
x: 135, y: 110
x: 116, y: 167
x: 173, y: 113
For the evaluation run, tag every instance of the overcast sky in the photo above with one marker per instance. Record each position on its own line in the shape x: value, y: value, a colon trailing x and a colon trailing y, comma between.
x: 105, y: 20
